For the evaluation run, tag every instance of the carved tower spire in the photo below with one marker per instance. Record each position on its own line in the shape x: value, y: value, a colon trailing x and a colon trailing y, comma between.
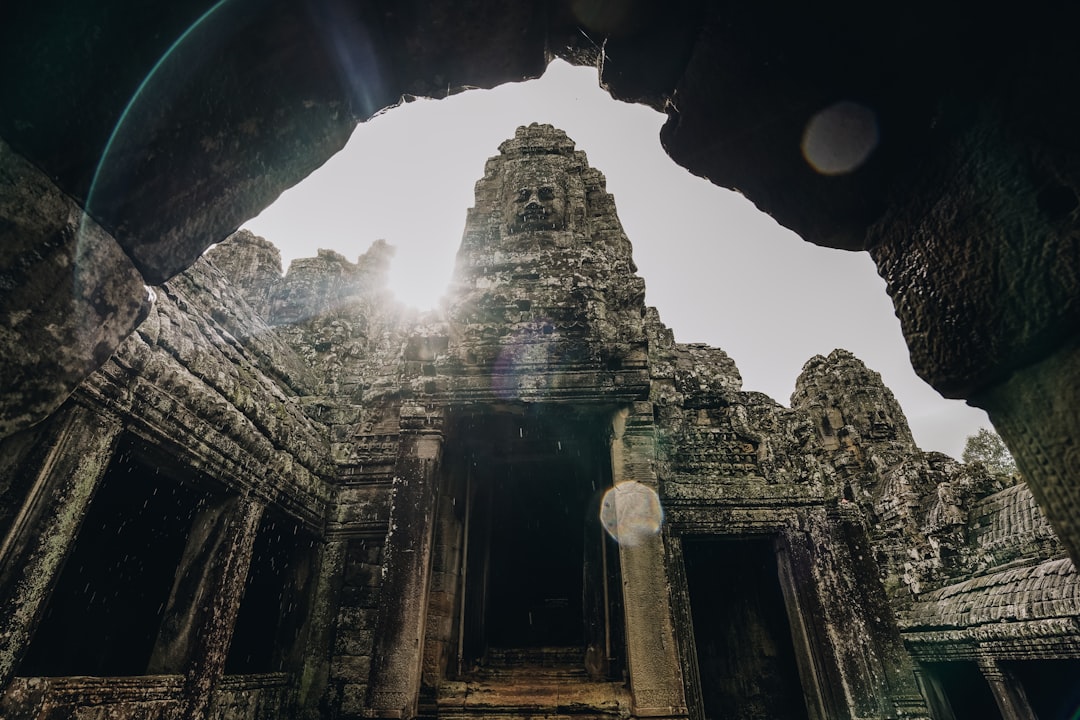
x: 544, y: 281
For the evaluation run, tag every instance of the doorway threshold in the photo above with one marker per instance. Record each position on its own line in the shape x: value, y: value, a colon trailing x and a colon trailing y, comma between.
x: 529, y: 682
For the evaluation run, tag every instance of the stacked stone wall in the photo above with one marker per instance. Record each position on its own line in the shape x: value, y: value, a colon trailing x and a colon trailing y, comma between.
x: 356, y: 625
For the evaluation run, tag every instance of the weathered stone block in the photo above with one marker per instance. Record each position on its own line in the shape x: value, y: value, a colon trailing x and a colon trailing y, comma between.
x: 71, y: 295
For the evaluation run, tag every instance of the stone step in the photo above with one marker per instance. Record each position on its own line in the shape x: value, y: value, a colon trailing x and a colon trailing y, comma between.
x: 528, y: 673
x: 532, y: 696
x: 530, y: 714
x: 535, y: 656
x: 529, y: 684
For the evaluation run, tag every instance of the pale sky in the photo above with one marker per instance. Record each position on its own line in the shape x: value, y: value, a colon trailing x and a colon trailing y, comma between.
x: 718, y: 270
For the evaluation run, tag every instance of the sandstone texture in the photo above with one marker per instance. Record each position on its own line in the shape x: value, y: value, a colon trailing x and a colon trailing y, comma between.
x: 937, y: 138
x: 287, y: 495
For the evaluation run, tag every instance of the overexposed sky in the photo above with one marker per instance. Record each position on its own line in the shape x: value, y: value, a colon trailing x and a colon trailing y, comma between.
x: 718, y: 270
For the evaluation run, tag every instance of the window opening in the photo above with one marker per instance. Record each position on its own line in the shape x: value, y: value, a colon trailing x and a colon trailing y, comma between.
x: 103, y: 617
x: 274, y: 606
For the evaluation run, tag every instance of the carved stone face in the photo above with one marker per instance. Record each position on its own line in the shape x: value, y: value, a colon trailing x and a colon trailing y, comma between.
x: 535, y: 201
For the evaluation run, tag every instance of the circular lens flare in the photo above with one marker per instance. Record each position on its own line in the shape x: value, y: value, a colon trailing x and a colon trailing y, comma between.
x: 521, y: 363
x: 840, y: 138
x: 631, y: 513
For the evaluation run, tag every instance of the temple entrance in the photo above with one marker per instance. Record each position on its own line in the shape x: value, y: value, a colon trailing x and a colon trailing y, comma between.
x: 539, y: 581
x: 535, y: 527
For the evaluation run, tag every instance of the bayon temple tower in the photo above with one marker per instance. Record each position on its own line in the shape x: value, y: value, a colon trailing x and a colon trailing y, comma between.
x: 292, y: 497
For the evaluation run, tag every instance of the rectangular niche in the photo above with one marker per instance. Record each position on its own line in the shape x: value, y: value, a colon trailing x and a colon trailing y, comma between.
x: 275, y: 603
x: 102, y: 619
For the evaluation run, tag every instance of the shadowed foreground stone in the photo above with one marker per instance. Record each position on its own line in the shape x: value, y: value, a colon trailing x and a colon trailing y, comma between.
x: 70, y: 294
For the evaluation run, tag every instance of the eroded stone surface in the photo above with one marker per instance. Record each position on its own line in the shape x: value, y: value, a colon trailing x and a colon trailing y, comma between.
x: 171, y: 127
x: 70, y: 294
x: 388, y: 443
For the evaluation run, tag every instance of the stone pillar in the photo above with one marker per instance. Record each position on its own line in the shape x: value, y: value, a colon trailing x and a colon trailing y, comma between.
x: 888, y: 677
x: 200, y: 616
x: 1035, y: 411
x: 656, y: 681
x: 1008, y: 692
x: 680, y: 605
x: 32, y: 554
x: 936, y: 699
x: 396, y: 660
x: 981, y: 262
x: 817, y: 704
x: 315, y: 672
x: 846, y: 639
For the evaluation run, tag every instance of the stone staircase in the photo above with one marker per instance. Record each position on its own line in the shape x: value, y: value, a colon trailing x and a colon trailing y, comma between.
x: 529, y: 684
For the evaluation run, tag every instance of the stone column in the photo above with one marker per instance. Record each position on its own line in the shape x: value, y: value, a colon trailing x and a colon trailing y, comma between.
x: 201, y: 613
x: 936, y: 699
x: 81, y: 446
x: 887, y: 679
x: 315, y: 672
x: 981, y: 262
x: 817, y: 704
x: 656, y: 681
x: 680, y: 606
x: 1035, y: 411
x: 396, y: 660
x: 1008, y: 693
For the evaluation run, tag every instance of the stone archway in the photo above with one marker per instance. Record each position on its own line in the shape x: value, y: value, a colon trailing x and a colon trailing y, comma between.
x: 173, y: 126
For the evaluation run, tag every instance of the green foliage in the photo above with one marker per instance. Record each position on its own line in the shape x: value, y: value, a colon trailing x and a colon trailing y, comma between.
x: 988, y: 448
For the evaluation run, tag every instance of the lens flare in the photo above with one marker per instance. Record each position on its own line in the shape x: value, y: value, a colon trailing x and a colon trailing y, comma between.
x: 840, y: 138
x: 519, y: 368
x: 631, y: 513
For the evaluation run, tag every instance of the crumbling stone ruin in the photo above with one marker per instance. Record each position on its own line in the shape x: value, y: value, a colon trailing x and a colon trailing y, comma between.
x: 290, y: 496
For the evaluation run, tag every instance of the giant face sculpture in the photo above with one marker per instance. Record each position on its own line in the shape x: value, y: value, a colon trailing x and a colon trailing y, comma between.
x: 535, y: 200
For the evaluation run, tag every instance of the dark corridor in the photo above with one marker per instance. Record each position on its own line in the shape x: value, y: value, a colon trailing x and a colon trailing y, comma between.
x: 537, y: 548
x: 104, y: 615
x: 539, y: 574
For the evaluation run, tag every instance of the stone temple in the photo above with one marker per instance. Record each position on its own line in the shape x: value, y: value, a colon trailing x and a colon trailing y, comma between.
x: 291, y: 497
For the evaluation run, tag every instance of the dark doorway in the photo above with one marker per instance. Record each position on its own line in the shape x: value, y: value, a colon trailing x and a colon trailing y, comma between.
x: 538, y: 570
x: 537, y: 550
x: 746, y: 658
x: 965, y: 689
x: 1052, y: 687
